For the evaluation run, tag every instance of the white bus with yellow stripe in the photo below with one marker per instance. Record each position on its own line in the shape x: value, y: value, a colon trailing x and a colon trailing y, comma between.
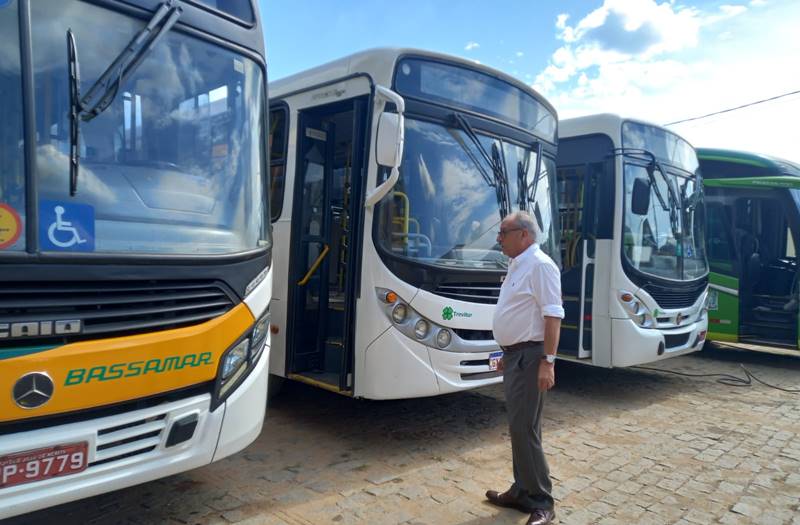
x: 394, y: 270
x: 136, y: 256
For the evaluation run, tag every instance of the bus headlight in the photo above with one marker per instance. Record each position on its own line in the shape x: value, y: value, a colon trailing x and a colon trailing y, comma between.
x: 421, y: 329
x: 413, y: 324
x: 259, y: 338
x: 234, y: 359
x: 239, y: 360
x: 261, y: 328
x: 636, y: 310
x: 399, y: 313
x: 443, y: 338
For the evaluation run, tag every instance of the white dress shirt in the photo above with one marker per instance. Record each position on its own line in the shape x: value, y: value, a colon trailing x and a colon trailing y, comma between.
x: 530, y: 291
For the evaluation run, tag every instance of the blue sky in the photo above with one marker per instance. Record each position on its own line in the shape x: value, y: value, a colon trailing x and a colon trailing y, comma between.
x: 659, y: 60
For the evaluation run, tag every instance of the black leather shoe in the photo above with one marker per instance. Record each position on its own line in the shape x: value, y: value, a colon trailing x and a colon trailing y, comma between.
x: 541, y: 517
x: 505, y: 499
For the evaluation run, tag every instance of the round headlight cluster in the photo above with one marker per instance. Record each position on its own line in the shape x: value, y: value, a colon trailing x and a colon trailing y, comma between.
x: 411, y: 323
x: 636, y: 310
x: 421, y: 329
x: 399, y: 313
x: 443, y: 338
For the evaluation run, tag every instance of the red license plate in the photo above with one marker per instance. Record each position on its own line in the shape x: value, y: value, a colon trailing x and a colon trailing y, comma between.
x: 43, y: 463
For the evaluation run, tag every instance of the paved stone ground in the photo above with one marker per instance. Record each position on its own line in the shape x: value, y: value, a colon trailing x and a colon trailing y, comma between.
x: 626, y: 446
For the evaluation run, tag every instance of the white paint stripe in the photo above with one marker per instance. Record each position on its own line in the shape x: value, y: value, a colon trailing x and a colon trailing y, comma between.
x: 731, y: 291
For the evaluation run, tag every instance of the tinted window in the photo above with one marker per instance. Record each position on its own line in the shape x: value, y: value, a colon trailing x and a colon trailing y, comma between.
x: 241, y: 9
x: 277, y: 160
x: 721, y: 253
x: 666, y: 146
x: 174, y: 165
x: 12, y: 158
x: 475, y: 91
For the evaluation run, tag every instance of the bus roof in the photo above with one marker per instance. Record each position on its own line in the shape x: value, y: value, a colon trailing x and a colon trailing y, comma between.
x: 722, y: 163
x: 606, y: 123
x: 379, y: 64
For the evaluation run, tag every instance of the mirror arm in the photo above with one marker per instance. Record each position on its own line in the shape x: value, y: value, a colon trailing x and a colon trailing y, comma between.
x: 391, y: 96
x: 380, y: 192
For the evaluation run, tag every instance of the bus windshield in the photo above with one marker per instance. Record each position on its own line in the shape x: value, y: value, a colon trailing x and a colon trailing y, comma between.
x: 444, y: 209
x: 175, y: 165
x: 12, y: 158
x: 653, y: 243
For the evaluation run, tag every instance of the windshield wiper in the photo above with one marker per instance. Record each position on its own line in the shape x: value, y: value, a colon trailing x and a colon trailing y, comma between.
x: 495, y: 162
x: 522, y: 182
x: 671, y: 205
x: 103, y: 92
x: 531, y: 190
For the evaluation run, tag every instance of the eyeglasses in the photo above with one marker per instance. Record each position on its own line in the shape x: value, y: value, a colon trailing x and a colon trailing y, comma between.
x: 503, y: 233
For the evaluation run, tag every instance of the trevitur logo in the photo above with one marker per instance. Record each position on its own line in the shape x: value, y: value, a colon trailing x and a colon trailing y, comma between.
x: 448, y: 313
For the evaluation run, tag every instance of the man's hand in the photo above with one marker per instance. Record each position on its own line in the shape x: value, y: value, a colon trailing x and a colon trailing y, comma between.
x: 547, y: 376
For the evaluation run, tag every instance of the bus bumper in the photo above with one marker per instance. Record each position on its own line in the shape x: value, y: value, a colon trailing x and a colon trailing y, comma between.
x: 131, y: 448
x: 632, y: 345
x: 463, y: 371
x: 397, y: 367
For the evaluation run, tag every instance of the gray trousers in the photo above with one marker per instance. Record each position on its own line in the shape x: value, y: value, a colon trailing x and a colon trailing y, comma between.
x: 524, y: 404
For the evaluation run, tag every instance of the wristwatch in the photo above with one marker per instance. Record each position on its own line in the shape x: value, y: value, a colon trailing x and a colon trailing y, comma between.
x: 550, y: 358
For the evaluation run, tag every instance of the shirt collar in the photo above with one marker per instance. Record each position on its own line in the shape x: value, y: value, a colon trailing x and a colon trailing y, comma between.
x: 528, y: 253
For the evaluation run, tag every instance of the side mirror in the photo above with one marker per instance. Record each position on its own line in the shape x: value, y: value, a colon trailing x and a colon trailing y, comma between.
x: 389, y: 144
x: 389, y: 141
x: 640, y: 200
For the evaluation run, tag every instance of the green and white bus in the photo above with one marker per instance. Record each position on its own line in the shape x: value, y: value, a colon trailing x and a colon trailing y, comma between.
x: 753, y: 214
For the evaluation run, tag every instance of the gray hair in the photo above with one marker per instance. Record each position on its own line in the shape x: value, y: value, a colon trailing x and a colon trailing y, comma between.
x: 524, y: 220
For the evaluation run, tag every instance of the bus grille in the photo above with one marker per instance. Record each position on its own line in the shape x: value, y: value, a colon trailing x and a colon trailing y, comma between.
x: 679, y: 296
x: 109, y: 308
x: 474, y: 335
x: 470, y: 292
x: 128, y: 440
x: 676, y: 340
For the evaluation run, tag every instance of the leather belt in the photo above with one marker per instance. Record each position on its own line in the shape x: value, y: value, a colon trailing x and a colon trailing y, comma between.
x: 519, y: 346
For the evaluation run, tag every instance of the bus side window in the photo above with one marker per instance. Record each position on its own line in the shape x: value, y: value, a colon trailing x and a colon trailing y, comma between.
x: 570, y: 203
x: 278, y: 127
x: 721, y: 253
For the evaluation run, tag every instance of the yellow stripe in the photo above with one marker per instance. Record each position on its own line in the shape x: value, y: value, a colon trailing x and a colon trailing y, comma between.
x: 319, y: 384
x: 213, y: 336
x: 717, y: 336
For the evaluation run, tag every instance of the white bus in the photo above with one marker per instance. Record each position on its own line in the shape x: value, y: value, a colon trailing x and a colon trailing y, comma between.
x: 392, y: 277
x: 134, y: 297
x: 634, y: 274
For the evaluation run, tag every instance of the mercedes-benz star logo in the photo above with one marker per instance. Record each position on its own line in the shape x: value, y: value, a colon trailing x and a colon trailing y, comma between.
x: 33, y: 390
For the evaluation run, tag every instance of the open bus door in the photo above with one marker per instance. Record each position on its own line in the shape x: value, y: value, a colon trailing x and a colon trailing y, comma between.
x: 321, y: 274
x: 752, y: 237
x: 585, y: 192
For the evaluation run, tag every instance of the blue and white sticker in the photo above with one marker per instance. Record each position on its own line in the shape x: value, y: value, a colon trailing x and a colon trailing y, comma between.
x: 66, y: 226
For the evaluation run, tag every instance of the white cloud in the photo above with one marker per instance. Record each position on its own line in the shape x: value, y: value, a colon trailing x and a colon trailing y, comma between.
x: 471, y: 45
x: 732, y: 10
x: 663, y: 62
x: 758, y: 3
x: 520, y: 54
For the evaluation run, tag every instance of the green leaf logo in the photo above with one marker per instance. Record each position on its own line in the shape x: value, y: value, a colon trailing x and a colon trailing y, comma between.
x: 447, y: 313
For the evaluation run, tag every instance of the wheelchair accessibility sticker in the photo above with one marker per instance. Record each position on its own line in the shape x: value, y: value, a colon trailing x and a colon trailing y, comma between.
x: 66, y: 226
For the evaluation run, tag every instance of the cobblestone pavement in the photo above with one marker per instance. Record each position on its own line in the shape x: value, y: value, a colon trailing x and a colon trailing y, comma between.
x: 625, y: 446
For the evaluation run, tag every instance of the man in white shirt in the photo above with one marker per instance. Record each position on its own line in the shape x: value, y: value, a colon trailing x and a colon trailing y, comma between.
x: 526, y: 324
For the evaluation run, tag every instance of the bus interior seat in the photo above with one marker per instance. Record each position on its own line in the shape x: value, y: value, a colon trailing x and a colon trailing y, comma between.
x: 751, y: 259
